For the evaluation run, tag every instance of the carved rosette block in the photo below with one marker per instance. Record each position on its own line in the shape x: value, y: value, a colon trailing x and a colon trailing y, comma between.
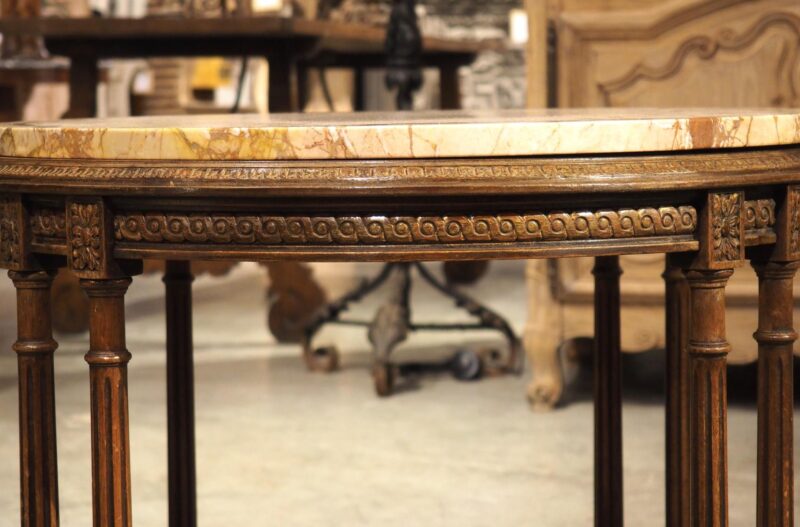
x: 34, y: 348
x: 793, y: 200
x: 89, y: 236
x: 86, y: 233
x: 13, y: 249
x: 727, y: 227
x: 108, y: 359
x: 721, y: 232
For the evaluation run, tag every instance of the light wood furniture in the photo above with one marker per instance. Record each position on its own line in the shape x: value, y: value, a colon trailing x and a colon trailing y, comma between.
x: 99, y: 196
x: 652, y: 54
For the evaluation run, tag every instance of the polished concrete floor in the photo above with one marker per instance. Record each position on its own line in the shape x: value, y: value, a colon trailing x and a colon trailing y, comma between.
x: 279, y: 446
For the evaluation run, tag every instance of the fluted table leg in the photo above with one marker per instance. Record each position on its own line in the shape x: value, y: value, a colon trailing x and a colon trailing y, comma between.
x: 607, y: 394
x: 180, y: 395
x: 677, y: 422
x: 37, y: 433
x: 108, y: 359
x: 776, y: 337
x: 708, y: 350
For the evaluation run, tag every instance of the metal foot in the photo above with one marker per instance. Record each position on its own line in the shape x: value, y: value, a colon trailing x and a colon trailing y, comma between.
x: 392, y: 323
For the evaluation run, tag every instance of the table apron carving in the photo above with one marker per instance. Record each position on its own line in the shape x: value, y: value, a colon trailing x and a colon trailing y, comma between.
x: 253, y: 232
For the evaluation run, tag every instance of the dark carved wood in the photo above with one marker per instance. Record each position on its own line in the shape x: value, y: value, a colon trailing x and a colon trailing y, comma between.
x: 48, y: 228
x: 108, y: 359
x: 85, y: 226
x: 794, y: 208
x: 404, y: 53
x: 607, y: 394
x: 10, y: 227
x: 379, y: 229
x: 759, y: 222
x: 727, y: 224
x: 708, y: 350
x: 776, y: 337
x: 677, y: 414
x: 180, y: 395
x: 37, y: 434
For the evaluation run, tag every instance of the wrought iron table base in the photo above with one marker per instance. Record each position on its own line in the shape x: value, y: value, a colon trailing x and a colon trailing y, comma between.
x: 392, y: 323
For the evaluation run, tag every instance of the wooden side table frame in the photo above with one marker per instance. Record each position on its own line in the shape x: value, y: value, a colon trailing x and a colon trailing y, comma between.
x: 694, y: 206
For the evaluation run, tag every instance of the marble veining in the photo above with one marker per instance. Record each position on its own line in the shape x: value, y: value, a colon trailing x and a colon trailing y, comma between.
x: 400, y: 135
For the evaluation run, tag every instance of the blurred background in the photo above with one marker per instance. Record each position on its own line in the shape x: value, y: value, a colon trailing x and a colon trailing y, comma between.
x: 289, y: 446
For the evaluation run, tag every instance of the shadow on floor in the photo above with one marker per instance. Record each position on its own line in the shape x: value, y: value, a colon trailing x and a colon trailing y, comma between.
x: 643, y: 379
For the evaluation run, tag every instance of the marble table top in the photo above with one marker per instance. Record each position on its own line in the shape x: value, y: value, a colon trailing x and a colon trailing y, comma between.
x: 400, y: 135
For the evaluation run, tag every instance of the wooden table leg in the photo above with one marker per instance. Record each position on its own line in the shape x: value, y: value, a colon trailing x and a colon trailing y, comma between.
x: 449, y: 86
x: 180, y: 395
x: 108, y: 359
x: 607, y: 394
x: 359, y: 94
x: 677, y: 415
x: 283, y: 82
x: 776, y: 337
x: 35, y: 347
x: 84, y: 78
x: 708, y: 350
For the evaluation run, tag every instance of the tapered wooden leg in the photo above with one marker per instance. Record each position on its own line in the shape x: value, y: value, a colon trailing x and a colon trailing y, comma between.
x: 180, y: 396
x: 449, y: 86
x: 708, y: 350
x: 37, y: 432
x: 607, y: 394
x: 108, y: 359
x: 776, y: 337
x: 677, y: 415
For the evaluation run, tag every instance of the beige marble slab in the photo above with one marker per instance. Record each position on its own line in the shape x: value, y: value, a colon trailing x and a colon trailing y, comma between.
x: 401, y: 135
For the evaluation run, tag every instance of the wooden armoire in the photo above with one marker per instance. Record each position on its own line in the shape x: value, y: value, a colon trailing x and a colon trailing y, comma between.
x: 648, y: 53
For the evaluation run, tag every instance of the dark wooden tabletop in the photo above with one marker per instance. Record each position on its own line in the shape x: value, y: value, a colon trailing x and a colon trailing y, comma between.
x: 119, y: 37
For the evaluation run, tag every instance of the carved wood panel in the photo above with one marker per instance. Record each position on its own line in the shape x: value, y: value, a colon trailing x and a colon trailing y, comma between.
x: 685, y: 53
x: 674, y: 54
